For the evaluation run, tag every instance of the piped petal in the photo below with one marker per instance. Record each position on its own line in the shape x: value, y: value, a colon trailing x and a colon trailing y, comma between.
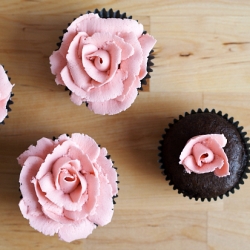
x: 115, y: 106
x: 106, y: 167
x: 115, y: 54
x: 104, y: 211
x: 77, y: 230
x: 88, y: 144
x: 29, y: 171
x: 89, y: 204
x: 79, y: 193
x: 147, y: 43
x: 109, y: 90
x: 46, y: 183
x: 191, y: 166
x: 45, y: 203
x: 93, y: 192
x: 63, y: 200
x: 75, y: 66
x: 43, y: 147
x: 76, y: 99
x: 133, y: 64
x: 24, y: 209
x: 58, y: 62
x: 58, y: 151
x: 95, y: 24
x: 85, y: 163
x: 45, y: 225
x: 217, y: 150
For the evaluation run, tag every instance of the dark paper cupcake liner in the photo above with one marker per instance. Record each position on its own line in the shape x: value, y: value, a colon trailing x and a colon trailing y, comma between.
x: 115, y: 196
x: 244, y: 140
x: 116, y: 14
x: 10, y: 101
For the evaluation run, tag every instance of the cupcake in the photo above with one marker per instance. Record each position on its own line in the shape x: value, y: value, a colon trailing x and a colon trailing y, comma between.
x: 204, y: 155
x: 5, y: 94
x: 103, y: 60
x: 67, y: 185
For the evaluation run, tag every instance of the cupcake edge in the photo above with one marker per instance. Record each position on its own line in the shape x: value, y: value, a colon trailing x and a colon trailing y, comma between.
x: 108, y: 156
x: 103, y: 13
x: 10, y: 101
x: 244, y: 140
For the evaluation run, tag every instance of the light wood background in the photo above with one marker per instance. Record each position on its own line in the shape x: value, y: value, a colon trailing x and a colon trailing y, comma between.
x: 202, y: 59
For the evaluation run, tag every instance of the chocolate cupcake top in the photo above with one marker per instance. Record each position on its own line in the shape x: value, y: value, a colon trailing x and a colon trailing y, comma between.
x: 205, y: 185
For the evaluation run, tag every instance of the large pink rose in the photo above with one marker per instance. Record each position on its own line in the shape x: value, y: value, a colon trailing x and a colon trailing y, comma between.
x: 67, y: 186
x: 5, y: 93
x: 101, y: 61
x: 204, y: 154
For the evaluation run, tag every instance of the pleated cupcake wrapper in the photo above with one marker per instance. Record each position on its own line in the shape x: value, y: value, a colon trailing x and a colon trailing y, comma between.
x: 115, y: 196
x: 10, y: 102
x: 115, y: 14
x: 243, y: 137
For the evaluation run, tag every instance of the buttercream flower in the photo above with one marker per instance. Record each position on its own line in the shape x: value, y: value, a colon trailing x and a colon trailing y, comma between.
x: 5, y: 93
x: 101, y: 61
x: 67, y: 185
x: 204, y: 153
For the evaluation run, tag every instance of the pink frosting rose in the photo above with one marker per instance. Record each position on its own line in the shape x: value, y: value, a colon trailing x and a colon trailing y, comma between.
x: 101, y: 61
x: 67, y: 186
x: 204, y: 153
x: 5, y: 93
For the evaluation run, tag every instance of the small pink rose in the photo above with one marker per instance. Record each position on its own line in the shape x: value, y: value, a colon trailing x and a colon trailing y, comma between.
x: 67, y: 186
x: 5, y: 93
x: 101, y: 61
x: 204, y: 154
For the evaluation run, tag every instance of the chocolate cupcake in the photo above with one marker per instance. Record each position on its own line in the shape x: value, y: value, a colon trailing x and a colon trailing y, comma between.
x: 204, y: 155
x: 68, y: 186
x: 103, y: 59
x: 5, y: 94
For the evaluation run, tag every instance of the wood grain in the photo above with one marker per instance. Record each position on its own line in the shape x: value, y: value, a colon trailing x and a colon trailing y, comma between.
x: 201, y: 60
x: 204, y: 50
x: 142, y: 7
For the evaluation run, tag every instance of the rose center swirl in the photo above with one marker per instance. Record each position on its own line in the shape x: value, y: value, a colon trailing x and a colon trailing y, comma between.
x: 101, y: 59
x: 202, y: 154
x: 68, y: 181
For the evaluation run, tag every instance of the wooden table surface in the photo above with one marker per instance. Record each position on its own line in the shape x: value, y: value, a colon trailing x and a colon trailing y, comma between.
x: 202, y: 59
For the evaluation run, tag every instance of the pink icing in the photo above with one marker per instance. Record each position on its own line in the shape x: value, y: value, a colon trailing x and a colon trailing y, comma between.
x: 204, y: 153
x: 5, y: 93
x: 101, y: 61
x: 67, y: 186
